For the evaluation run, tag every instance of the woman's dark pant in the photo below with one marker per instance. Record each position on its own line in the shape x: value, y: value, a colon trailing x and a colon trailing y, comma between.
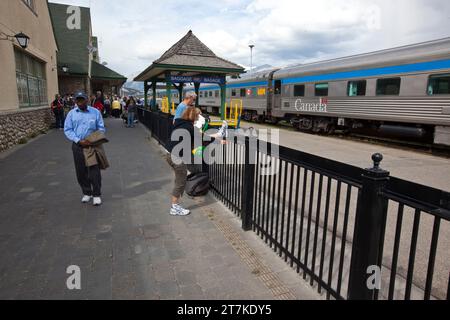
x: 116, y: 113
x: 89, y: 178
x: 59, y: 118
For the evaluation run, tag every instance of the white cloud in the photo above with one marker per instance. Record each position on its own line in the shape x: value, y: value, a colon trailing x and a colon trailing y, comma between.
x: 136, y: 32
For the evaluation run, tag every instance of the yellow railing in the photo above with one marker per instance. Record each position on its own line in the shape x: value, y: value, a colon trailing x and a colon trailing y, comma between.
x: 233, y: 113
x: 165, y: 105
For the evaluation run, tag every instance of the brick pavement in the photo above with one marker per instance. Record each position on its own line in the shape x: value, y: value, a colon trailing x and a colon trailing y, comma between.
x: 129, y: 248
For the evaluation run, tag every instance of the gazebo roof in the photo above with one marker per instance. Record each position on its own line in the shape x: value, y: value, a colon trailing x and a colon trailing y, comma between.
x: 189, y: 57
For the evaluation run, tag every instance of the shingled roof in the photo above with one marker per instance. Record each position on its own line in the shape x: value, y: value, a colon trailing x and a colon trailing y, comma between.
x: 99, y: 71
x: 72, y: 44
x: 190, y: 53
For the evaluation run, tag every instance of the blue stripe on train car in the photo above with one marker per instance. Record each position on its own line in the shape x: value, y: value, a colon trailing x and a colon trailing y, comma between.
x: 406, y: 68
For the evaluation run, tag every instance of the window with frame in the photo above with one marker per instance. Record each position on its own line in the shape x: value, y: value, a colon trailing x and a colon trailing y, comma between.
x: 299, y: 90
x: 30, y: 4
x: 356, y: 88
x: 321, y: 89
x: 243, y: 92
x: 388, y: 87
x: 210, y: 94
x: 31, y: 80
x: 277, y: 87
x: 233, y: 92
x: 439, y: 84
x: 217, y: 93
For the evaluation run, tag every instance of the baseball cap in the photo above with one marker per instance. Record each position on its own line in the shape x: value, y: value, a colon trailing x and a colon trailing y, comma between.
x: 80, y: 94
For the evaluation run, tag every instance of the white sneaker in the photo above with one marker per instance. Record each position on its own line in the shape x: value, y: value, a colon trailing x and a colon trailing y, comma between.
x: 97, y: 201
x: 86, y: 199
x: 177, y: 210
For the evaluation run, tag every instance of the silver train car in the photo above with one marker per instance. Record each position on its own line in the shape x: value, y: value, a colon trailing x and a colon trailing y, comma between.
x: 400, y: 92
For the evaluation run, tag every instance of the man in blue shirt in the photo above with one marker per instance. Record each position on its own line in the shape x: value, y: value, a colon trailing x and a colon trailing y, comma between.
x: 189, y: 101
x: 80, y: 123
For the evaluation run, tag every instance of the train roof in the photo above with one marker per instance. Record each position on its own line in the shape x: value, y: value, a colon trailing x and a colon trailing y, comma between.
x: 425, y: 51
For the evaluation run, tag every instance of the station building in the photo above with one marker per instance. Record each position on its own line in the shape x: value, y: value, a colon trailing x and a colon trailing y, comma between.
x: 28, y: 77
x: 79, y: 66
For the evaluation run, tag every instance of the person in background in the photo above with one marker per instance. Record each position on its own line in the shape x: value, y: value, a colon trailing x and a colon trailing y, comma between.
x: 99, y: 103
x: 92, y: 100
x: 80, y: 123
x: 71, y: 102
x: 58, y: 111
x: 131, y: 110
x: 107, y: 104
x: 116, y: 108
x: 123, y: 103
x: 189, y: 101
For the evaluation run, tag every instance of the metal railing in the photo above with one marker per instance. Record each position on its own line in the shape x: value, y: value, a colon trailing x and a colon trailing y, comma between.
x: 333, y: 222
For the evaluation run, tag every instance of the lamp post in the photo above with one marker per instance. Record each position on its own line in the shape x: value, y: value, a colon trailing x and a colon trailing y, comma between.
x: 251, y: 46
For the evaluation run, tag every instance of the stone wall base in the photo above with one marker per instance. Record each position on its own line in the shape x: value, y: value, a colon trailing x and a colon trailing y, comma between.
x: 17, y: 127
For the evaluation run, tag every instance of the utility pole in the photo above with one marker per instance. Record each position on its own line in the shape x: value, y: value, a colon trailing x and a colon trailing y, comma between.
x: 251, y: 46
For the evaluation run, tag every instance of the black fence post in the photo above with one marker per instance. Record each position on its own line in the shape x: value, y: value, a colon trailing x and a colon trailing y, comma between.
x: 248, y: 189
x: 370, y: 224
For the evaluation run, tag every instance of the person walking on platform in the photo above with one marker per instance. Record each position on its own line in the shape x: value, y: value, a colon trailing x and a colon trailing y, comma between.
x: 131, y: 111
x: 189, y: 101
x: 116, y: 108
x: 107, y: 103
x: 99, y: 103
x: 82, y: 122
x: 58, y: 111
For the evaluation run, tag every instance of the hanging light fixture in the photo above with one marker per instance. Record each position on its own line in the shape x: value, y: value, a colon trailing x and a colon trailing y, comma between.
x: 22, y: 39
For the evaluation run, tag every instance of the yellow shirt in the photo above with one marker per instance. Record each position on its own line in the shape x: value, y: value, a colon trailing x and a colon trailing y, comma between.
x: 115, y: 105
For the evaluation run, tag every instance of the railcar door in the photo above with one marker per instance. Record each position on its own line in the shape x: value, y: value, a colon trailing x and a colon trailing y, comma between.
x: 276, y: 104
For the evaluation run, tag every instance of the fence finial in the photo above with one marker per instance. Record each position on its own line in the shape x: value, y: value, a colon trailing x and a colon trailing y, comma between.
x: 377, y: 158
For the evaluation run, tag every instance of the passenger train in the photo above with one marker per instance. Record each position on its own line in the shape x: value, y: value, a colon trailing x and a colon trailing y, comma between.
x: 403, y: 91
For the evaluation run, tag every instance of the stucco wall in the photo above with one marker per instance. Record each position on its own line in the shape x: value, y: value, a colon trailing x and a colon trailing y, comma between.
x: 17, y: 17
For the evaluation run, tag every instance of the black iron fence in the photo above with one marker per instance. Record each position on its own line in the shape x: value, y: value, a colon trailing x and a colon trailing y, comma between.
x: 353, y: 233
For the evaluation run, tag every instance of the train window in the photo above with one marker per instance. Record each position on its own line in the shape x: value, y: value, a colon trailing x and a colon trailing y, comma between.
x: 321, y: 89
x: 243, y: 92
x: 210, y: 93
x: 439, y: 84
x: 233, y: 92
x: 299, y: 90
x: 277, y: 87
x: 388, y: 87
x: 356, y: 88
x: 201, y: 94
x: 216, y: 93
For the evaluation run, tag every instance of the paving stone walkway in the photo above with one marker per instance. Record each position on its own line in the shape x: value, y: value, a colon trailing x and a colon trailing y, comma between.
x: 129, y: 248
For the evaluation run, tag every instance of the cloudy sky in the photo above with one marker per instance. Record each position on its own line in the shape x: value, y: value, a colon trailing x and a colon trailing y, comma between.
x: 133, y: 33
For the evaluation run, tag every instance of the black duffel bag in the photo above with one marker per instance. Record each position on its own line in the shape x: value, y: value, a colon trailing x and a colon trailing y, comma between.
x: 197, y: 184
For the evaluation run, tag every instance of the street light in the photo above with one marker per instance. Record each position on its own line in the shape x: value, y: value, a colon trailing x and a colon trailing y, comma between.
x: 65, y: 69
x: 251, y: 46
x: 21, y: 38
